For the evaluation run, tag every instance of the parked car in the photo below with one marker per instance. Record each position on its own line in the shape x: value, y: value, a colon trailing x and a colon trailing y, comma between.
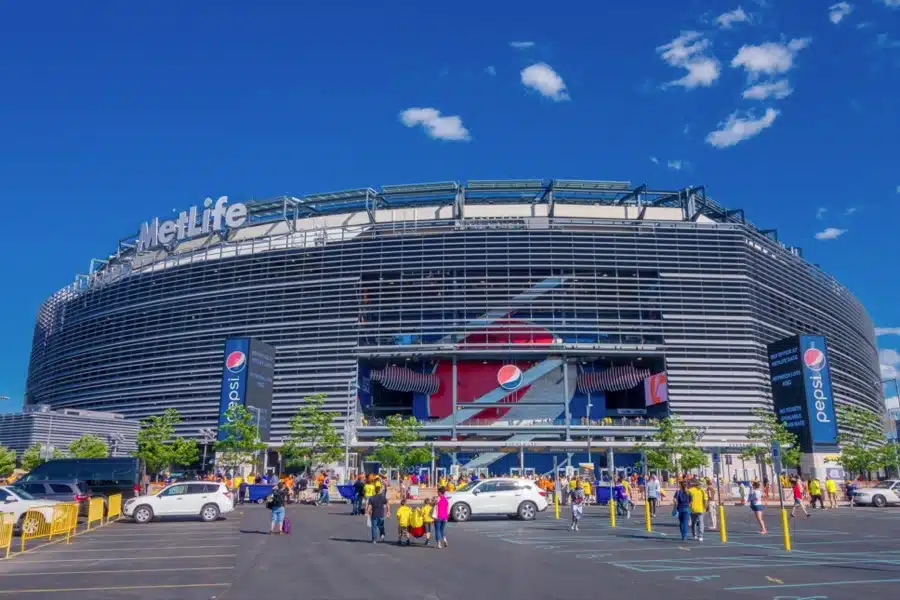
x: 501, y: 496
x: 104, y: 476
x: 205, y: 499
x: 17, y: 501
x: 883, y: 493
x: 61, y: 491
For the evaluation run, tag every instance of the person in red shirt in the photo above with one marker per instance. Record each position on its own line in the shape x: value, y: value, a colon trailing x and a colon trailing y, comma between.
x: 797, y: 488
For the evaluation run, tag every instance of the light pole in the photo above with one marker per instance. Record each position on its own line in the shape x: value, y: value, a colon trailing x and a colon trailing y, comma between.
x: 208, y: 436
x: 589, y: 406
x: 114, y: 440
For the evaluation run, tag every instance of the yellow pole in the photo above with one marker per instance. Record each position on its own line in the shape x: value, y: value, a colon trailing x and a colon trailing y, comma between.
x: 647, y: 515
x: 723, y: 531
x: 786, y: 529
x: 556, y: 503
x: 612, y: 512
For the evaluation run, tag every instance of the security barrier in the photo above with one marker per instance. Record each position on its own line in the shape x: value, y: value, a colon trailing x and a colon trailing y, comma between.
x: 7, y: 521
x: 36, y: 523
x: 65, y: 520
x: 114, y: 510
x: 95, y: 511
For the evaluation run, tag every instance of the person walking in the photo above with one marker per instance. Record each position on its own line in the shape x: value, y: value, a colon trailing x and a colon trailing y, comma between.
x: 681, y: 503
x: 441, y: 516
x: 831, y: 490
x: 815, y: 492
x: 653, y: 490
x: 797, y: 490
x: 756, y: 506
x: 712, y: 505
x: 377, y: 510
x: 699, y: 506
x: 277, y: 503
x: 577, y: 497
x: 358, y: 495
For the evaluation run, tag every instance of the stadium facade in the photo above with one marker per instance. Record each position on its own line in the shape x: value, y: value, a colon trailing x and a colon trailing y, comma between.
x: 502, y: 314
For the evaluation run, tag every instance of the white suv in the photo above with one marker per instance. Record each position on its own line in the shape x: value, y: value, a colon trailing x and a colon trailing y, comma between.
x: 513, y: 497
x: 206, y: 499
x: 17, y: 501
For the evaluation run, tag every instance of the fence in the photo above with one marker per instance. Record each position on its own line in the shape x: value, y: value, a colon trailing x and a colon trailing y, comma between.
x: 114, y: 508
x: 7, y: 521
x: 50, y: 520
x: 95, y: 511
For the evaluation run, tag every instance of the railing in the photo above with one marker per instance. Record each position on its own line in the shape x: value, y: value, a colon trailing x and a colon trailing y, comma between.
x: 95, y: 511
x: 114, y: 508
x: 7, y: 522
x: 47, y: 521
x: 605, y: 422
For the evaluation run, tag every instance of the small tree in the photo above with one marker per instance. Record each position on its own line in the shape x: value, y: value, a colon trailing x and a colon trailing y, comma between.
x: 7, y: 461
x: 397, y: 450
x: 768, y: 429
x: 675, y: 440
x: 241, y: 442
x: 89, y: 446
x: 32, y: 457
x: 159, y: 447
x: 313, y: 440
x: 862, y: 440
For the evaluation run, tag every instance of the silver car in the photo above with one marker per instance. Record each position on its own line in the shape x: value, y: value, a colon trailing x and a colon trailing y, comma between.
x: 884, y: 493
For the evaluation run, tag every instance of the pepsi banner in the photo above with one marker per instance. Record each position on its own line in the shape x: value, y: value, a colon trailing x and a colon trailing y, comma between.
x: 247, y: 377
x: 801, y: 389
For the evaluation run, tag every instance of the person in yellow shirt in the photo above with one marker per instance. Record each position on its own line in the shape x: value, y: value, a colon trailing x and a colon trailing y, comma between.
x: 699, y: 505
x: 586, y: 487
x: 404, y: 514
x: 236, y: 482
x: 814, y: 487
x: 831, y: 490
x: 428, y: 518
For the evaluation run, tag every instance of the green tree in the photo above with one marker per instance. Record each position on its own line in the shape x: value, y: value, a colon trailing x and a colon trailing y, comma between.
x: 397, y: 450
x: 765, y: 430
x: 32, y: 458
x: 89, y: 446
x: 313, y: 440
x: 240, y: 443
x: 7, y: 461
x: 862, y: 440
x: 158, y: 446
x: 675, y: 446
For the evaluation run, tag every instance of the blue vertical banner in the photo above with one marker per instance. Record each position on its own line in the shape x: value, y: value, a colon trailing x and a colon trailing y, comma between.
x: 234, y: 378
x: 819, y: 398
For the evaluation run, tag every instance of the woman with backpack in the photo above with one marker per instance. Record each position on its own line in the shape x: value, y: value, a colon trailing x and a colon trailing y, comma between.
x: 681, y: 508
x: 277, y: 502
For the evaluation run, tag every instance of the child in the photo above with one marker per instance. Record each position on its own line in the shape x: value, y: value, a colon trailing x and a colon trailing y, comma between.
x: 428, y: 518
x: 403, y: 515
x: 417, y: 523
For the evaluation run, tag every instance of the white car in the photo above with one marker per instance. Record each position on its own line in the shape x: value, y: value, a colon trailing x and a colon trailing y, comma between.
x: 501, y: 496
x: 205, y: 499
x: 17, y: 501
x: 884, y: 493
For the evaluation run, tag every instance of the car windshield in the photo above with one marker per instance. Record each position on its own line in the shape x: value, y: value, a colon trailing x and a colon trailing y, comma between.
x: 884, y: 485
x: 467, y: 487
x: 21, y: 493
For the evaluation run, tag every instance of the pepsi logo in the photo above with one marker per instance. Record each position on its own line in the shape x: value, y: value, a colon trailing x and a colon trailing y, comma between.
x: 509, y: 377
x: 814, y: 359
x: 236, y: 361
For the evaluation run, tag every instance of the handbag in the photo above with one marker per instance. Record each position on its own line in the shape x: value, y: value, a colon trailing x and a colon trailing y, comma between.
x: 434, y: 513
x: 674, y: 511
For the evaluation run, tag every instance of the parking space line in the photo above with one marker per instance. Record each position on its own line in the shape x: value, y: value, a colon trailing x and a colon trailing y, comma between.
x: 114, y: 588
x: 816, y: 584
x: 111, y: 571
x: 140, y: 558
x: 118, y: 548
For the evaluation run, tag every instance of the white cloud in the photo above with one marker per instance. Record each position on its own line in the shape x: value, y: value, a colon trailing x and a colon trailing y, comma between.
x: 435, y: 125
x: 544, y: 79
x: 776, y: 89
x: 885, y: 41
x: 850, y: 211
x: 737, y: 128
x: 654, y: 160
x: 521, y: 45
x: 688, y: 51
x: 675, y: 164
x: 770, y: 58
x: 837, y: 12
x: 890, y: 361
x: 820, y: 212
x: 490, y: 70
x: 892, y: 3
x: 898, y: 189
x: 830, y: 233
x: 726, y: 20
x: 879, y: 331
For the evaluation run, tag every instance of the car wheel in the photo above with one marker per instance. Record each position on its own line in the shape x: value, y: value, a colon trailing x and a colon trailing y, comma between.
x: 31, y: 525
x: 527, y: 510
x: 879, y: 501
x: 209, y: 513
x: 142, y: 514
x: 460, y: 512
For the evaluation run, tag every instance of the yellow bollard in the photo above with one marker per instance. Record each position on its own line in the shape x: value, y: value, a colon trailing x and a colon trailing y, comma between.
x: 786, y: 530
x: 556, y: 503
x: 647, y: 515
x: 612, y: 512
x: 723, y: 530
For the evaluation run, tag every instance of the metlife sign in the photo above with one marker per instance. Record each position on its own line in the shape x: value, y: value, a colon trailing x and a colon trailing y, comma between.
x: 801, y: 389
x: 247, y: 378
x: 215, y: 216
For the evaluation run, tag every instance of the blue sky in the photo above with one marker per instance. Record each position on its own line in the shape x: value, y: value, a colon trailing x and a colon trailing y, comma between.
x: 112, y: 115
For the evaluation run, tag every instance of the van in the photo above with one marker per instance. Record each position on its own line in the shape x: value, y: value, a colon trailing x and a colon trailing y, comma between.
x: 104, y: 476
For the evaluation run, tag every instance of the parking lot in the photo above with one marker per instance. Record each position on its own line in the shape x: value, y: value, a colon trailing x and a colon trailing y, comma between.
x: 168, y: 559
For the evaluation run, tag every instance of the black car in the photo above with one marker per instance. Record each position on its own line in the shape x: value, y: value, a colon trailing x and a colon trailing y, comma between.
x: 62, y: 491
x: 103, y: 476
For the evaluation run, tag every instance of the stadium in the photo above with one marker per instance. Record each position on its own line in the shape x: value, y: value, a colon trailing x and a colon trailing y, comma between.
x: 517, y: 320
